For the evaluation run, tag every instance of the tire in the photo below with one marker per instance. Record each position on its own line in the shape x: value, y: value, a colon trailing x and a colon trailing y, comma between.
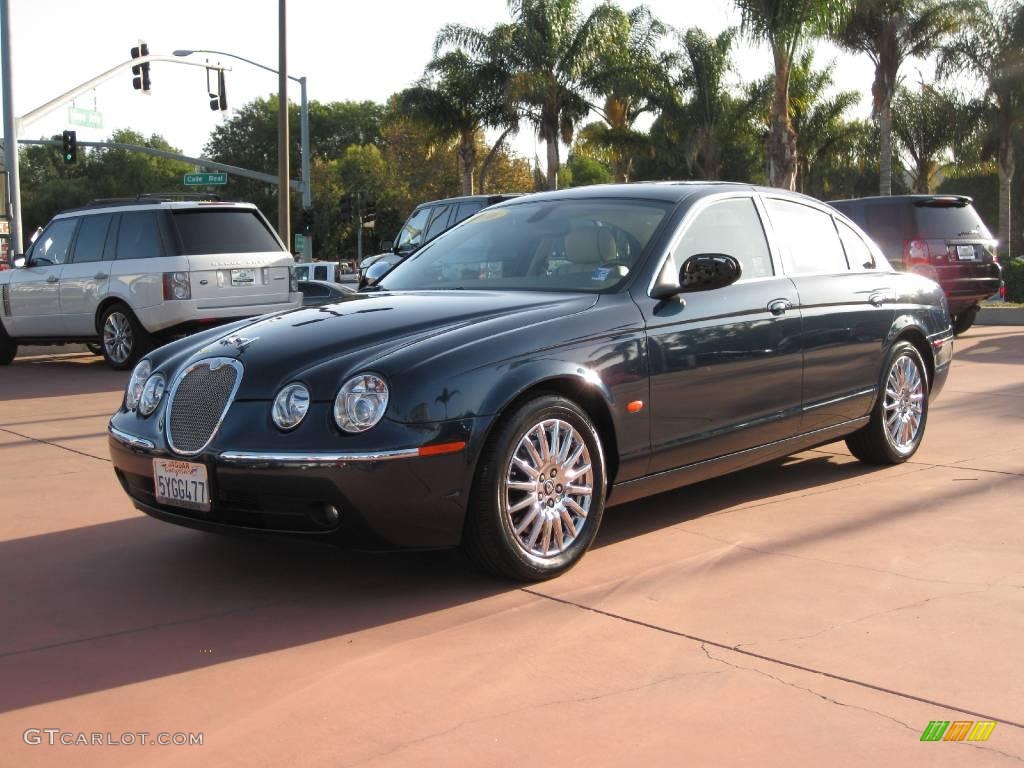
x: 491, y: 538
x: 96, y: 349
x: 964, y: 320
x: 123, y: 339
x: 904, y: 383
x: 8, y: 348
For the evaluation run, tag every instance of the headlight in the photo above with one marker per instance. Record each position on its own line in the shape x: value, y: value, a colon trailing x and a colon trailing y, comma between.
x: 290, y: 406
x: 152, y: 393
x: 361, y: 402
x: 135, y: 384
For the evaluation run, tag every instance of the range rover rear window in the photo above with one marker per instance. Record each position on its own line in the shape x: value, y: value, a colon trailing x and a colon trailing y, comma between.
x: 213, y: 230
x: 942, y: 220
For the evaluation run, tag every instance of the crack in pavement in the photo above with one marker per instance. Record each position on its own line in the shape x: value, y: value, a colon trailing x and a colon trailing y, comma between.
x: 55, y: 445
x: 771, y: 659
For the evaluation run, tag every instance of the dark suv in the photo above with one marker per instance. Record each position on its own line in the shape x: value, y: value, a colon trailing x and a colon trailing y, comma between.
x: 940, y: 236
x: 428, y: 221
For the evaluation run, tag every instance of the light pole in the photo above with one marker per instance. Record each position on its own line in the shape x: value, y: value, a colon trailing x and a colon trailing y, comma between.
x: 307, y: 196
x: 10, y: 134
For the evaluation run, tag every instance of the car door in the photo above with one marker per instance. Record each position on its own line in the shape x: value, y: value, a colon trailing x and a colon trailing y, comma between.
x: 83, y: 283
x: 35, y: 288
x: 847, y: 312
x: 725, y: 364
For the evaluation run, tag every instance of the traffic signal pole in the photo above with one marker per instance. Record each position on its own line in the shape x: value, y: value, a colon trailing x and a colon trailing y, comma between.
x: 284, y: 208
x: 10, y: 133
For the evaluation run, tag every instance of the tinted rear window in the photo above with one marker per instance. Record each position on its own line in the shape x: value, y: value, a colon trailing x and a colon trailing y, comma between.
x: 889, y: 222
x: 950, y: 222
x: 223, y: 231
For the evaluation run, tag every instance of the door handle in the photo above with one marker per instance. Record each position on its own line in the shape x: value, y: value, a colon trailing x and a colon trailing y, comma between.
x: 52, y: 279
x: 779, y: 306
x: 100, y: 276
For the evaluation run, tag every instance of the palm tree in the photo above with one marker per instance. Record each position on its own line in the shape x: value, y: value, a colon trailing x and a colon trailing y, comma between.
x: 929, y: 124
x: 548, y: 51
x: 889, y: 32
x: 992, y: 49
x: 785, y: 25
x: 632, y: 75
x: 458, y: 98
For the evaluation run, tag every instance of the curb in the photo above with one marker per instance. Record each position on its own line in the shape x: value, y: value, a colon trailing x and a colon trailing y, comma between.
x: 993, y: 316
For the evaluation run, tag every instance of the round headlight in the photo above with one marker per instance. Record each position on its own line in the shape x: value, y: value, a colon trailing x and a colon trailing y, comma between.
x: 290, y: 406
x: 361, y: 402
x: 136, y: 383
x: 152, y: 392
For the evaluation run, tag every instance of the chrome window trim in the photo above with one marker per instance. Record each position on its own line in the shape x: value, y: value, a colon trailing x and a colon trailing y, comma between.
x: 130, y: 440
x: 696, y: 209
x: 173, y: 390
x: 284, y: 459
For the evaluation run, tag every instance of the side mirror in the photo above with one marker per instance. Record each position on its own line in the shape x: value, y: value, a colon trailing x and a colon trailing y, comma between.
x: 19, y: 262
x: 387, y: 245
x: 708, y: 271
x: 375, y: 272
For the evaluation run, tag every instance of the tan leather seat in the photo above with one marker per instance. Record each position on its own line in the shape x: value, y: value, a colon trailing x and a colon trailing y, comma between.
x: 587, y: 248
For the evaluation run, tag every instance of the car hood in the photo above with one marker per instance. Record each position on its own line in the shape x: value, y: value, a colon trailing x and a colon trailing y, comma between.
x: 362, y: 330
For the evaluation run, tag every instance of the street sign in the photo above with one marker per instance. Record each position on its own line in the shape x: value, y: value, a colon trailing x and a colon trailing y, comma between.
x: 86, y: 118
x: 300, y: 243
x: 204, y: 179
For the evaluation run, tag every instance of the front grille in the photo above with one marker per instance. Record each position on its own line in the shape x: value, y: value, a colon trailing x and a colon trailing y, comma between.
x: 199, y: 399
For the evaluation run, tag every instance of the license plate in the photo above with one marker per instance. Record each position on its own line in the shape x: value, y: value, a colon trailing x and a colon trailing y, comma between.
x: 965, y: 253
x: 243, y: 276
x: 181, y: 484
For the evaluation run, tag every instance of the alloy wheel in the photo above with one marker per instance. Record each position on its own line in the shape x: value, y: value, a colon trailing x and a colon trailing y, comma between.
x: 903, y: 408
x: 548, y: 487
x: 117, y: 337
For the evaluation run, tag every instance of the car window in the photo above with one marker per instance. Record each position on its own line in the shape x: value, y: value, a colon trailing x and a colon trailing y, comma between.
x: 92, y: 236
x: 139, y: 236
x: 465, y: 210
x: 320, y: 273
x: 411, y: 235
x: 858, y: 254
x: 941, y: 220
x: 51, y: 247
x: 223, y: 230
x: 557, y: 245
x: 810, y: 243
x: 438, y: 223
x: 314, y: 290
x: 732, y: 227
x: 889, y: 222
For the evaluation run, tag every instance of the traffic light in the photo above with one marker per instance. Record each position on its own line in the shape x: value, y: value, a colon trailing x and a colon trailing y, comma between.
x: 69, y: 140
x: 369, y: 213
x: 140, y: 72
x: 218, y: 98
x: 308, y: 220
x: 346, y: 208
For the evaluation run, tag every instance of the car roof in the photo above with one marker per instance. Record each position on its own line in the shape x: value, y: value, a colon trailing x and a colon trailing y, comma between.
x: 497, y: 197
x: 665, y: 191
x: 148, y: 204
x: 964, y: 199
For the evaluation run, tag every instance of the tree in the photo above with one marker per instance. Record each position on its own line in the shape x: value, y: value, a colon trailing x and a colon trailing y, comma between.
x: 929, y: 124
x: 992, y: 49
x: 785, y: 25
x: 548, y: 50
x: 633, y: 77
x: 889, y: 32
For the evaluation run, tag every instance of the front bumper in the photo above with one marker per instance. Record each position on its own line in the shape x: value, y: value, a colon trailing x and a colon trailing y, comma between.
x: 384, y: 499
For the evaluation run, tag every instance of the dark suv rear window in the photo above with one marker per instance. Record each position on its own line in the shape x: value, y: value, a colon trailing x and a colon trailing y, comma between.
x: 950, y: 222
x: 211, y: 230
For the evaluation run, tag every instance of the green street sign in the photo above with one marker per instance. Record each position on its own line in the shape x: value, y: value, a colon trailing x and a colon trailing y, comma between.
x: 300, y: 243
x: 86, y: 118
x: 205, y: 179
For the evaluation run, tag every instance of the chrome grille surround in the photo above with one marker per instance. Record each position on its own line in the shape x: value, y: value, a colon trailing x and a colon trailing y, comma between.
x: 206, y: 389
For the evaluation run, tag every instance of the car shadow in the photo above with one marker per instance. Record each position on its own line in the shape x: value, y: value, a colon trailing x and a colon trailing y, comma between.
x: 60, y: 375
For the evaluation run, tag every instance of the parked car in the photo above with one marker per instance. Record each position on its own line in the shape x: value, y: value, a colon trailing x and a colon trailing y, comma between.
x: 552, y: 356
x: 316, y: 293
x: 128, y: 274
x: 939, y: 236
x: 425, y: 223
x: 331, y: 271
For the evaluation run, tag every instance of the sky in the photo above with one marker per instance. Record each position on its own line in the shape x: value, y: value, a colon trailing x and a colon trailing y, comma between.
x: 347, y: 50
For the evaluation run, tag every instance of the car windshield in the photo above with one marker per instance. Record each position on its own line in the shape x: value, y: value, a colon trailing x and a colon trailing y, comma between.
x: 555, y: 245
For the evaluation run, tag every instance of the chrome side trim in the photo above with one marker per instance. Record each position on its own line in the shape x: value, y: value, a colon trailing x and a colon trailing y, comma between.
x: 130, y: 440
x: 213, y: 363
x: 257, y: 459
x: 834, y: 400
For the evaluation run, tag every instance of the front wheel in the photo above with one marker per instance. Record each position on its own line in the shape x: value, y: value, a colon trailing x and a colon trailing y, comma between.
x: 901, y: 412
x: 539, y: 492
x: 123, y: 338
x: 8, y: 348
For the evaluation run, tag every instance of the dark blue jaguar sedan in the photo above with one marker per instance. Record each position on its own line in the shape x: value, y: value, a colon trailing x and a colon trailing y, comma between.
x: 548, y: 357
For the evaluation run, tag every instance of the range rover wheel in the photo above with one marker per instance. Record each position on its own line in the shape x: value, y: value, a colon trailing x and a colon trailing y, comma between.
x: 900, y: 414
x: 8, y: 348
x: 123, y: 338
x: 964, y: 320
x: 539, y: 491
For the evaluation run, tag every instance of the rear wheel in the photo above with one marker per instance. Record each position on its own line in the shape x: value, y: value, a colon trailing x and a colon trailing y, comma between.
x: 538, y: 497
x: 122, y: 337
x: 8, y: 348
x: 964, y: 320
x: 900, y: 414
